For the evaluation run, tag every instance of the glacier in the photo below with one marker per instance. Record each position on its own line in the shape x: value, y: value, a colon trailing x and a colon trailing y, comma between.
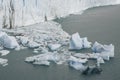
x: 14, y: 13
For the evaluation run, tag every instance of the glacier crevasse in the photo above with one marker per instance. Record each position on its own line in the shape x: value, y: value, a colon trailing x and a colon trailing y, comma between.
x: 26, y: 12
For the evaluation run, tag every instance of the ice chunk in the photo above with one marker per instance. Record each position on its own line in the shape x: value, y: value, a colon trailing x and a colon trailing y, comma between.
x: 72, y: 58
x: 8, y: 41
x: 77, y: 66
x: 4, y: 52
x: 82, y: 55
x: 75, y: 42
x: 35, y: 51
x: 86, y: 43
x: 23, y: 40
x: 54, y: 47
x: 46, y: 63
x: 3, y: 62
x: 43, y: 58
x: 97, y: 47
x: 32, y: 44
x: 100, y: 61
x: 105, y: 49
x: 109, y: 49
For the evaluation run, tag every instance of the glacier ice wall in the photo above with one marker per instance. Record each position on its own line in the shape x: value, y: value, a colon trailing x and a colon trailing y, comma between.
x: 26, y: 12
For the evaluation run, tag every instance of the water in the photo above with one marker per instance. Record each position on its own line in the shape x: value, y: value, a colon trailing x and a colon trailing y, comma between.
x: 98, y: 24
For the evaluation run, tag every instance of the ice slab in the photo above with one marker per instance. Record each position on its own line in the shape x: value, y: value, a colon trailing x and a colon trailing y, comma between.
x: 23, y: 40
x: 86, y: 43
x: 77, y: 66
x: 4, y: 52
x: 54, y: 47
x: 80, y: 60
x: 32, y: 44
x: 44, y: 63
x: 8, y: 41
x: 103, y: 49
x: 3, y: 62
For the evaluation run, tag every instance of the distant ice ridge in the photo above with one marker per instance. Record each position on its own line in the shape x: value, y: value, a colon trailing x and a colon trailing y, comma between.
x: 27, y: 12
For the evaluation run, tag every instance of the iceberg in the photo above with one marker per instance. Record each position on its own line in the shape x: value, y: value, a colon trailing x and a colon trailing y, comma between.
x: 107, y: 50
x: 77, y: 43
x: 26, y: 12
x: 8, y: 41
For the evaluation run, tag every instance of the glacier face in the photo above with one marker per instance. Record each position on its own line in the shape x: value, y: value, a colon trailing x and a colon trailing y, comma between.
x: 26, y: 12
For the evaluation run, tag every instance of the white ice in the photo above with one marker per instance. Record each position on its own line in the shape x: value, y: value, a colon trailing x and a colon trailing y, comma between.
x: 77, y: 43
x: 77, y: 65
x: 3, y: 62
x: 8, y: 41
x: 103, y: 49
x: 54, y: 47
x: 4, y: 52
x: 27, y: 12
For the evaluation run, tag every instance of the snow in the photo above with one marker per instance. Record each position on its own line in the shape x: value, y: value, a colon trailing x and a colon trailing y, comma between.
x: 24, y: 12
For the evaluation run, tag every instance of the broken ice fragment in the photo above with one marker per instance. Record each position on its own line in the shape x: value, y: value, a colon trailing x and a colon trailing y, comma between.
x: 72, y: 58
x: 44, y: 63
x: 77, y: 66
x: 54, y: 47
x: 86, y: 43
x: 3, y: 62
x: 32, y: 44
x: 23, y: 40
x: 100, y: 61
x: 75, y: 42
x: 105, y: 49
x: 4, y: 52
x: 97, y: 47
x: 8, y: 41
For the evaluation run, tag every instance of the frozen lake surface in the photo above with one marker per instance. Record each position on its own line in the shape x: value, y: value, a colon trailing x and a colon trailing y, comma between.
x: 98, y: 24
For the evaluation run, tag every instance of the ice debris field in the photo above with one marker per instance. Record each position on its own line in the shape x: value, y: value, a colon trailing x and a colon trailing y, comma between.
x: 53, y: 45
x: 48, y: 40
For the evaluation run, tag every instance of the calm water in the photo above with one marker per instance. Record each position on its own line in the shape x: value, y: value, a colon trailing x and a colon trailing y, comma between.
x: 98, y: 24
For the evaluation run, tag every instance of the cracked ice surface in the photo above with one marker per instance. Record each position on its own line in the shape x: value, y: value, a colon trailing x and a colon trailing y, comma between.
x: 27, y: 12
x: 40, y: 34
